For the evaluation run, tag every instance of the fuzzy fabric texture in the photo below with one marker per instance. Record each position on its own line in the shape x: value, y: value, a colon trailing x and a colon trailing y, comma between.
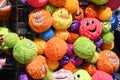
x: 106, y: 26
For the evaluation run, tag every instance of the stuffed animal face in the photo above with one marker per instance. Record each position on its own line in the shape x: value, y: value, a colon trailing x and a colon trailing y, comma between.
x: 79, y: 14
x: 62, y: 75
x: 91, y: 28
x: 108, y: 61
x: 40, y: 20
x: 62, y: 19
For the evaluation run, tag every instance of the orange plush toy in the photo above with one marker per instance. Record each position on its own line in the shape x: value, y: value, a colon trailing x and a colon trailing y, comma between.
x: 108, y: 61
x: 40, y: 20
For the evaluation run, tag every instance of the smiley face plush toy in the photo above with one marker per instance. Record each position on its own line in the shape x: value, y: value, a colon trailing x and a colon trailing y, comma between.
x: 40, y: 20
x: 91, y: 28
x: 108, y: 61
x: 62, y: 74
x: 62, y: 19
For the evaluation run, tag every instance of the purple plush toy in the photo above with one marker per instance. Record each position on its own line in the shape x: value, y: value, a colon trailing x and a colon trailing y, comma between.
x: 75, y: 26
x: 70, y: 50
x: 24, y: 76
x: 24, y: 1
x: 98, y: 42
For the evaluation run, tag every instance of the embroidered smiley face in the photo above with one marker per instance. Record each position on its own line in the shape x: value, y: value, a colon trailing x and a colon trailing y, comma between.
x: 91, y: 28
x: 40, y: 20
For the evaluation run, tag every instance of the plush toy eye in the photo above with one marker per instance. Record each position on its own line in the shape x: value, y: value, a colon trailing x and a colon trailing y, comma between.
x: 108, y: 53
x: 92, y: 22
x: 37, y: 13
x: 87, y: 24
x: 76, y: 76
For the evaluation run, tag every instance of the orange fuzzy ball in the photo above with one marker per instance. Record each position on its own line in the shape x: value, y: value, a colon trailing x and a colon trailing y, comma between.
x: 70, y: 66
x: 90, y: 68
x: 57, y: 3
x: 72, y: 37
x: 38, y: 68
x: 108, y: 61
x: 40, y: 45
x: 40, y: 20
x: 63, y: 34
x: 55, y: 48
x: 105, y: 13
x: 79, y: 14
x: 91, y: 11
x: 71, y: 5
x: 107, y: 46
x: 53, y: 65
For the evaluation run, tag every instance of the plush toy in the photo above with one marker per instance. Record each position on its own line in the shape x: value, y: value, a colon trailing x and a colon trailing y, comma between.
x: 55, y: 48
x: 101, y: 75
x: 108, y: 61
x: 47, y: 34
x: 98, y: 42
x: 72, y: 5
x: 50, y: 8
x: 99, y: 2
x: 40, y: 44
x: 81, y: 74
x: 84, y: 47
x: 74, y: 26
x: 62, y: 74
x: 70, y: 66
x: 37, y: 3
x: 52, y: 65
x: 106, y: 26
x: 24, y: 1
x: 107, y: 46
x: 89, y: 67
x: 5, y: 9
x: 37, y: 68
x: 114, y: 22
x: 91, y: 11
x: 58, y: 3
x: 40, y: 20
x: 24, y: 51
x: 105, y: 13
x: 24, y: 76
x: 2, y: 63
x: 113, y: 4
x: 108, y: 38
x: 48, y: 76
x: 72, y: 37
x: 115, y: 76
x: 63, y: 34
x: 70, y: 50
x: 91, y: 28
x: 62, y: 19
x: 93, y: 59
x: 79, y: 14
x: 10, y: 39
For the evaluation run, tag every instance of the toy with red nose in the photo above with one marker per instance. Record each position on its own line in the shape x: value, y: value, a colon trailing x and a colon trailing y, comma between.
x: 91, y: 28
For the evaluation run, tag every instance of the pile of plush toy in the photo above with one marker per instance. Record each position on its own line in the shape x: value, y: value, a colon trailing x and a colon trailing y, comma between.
x: 74, y: 42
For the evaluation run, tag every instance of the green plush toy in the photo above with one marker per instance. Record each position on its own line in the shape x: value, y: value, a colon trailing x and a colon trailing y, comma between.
x: 99, y: 2
x: 10, y: 39
x: 49, y: 75
x: 108, y: 37
x: 93, y: 59
x: 84, y: 47
x: 82, y: 74
x: 50, y: 8
x: 4, y: 30
x: 24, y: 51
x: 106, y: 26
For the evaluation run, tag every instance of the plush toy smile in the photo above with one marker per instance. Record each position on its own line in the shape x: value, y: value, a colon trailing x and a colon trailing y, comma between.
x: 91, y: 28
